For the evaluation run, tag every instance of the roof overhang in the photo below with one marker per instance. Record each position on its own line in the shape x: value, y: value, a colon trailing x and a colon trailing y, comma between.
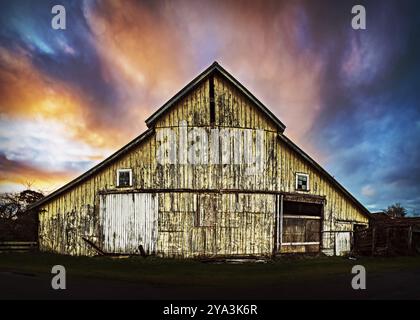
x: 95, y: 169
x: 321, y: 170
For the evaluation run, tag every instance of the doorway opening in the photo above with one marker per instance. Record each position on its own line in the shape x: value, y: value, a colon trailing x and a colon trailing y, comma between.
x: 300, y: 227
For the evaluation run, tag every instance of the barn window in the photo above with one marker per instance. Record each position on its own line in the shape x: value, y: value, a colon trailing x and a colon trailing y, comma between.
x: 302, y: 181
x: 124, y: 178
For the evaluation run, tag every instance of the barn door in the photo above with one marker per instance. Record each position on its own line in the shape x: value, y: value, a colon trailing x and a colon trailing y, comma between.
x: 129, y: 220
x: 298, y: 226
x: 342, y: 243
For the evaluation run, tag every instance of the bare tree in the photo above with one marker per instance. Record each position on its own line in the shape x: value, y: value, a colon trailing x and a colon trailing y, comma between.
x: 12, y: 205
x: 16, y: 222
x: 9, y: 206
x: 396, y: 210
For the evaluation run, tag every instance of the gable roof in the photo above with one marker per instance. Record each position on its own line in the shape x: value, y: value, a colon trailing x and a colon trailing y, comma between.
x: 214, y: 68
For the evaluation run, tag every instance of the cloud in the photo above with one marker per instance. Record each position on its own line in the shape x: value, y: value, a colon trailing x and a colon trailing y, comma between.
x: 43, y: 152
x: 18, y: 175
x: 368, y: 191
x: 46, y: 144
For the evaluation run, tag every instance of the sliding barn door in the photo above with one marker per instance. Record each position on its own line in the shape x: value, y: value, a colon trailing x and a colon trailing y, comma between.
x: 129, y: 220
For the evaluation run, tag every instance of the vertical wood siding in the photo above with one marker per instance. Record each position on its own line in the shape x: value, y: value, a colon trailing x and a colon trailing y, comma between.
x: 129, y: 220
x: 238, y: 224
x: 244, y: 222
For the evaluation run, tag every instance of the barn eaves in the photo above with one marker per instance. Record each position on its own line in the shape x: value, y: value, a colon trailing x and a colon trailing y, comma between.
x: 313, y: 163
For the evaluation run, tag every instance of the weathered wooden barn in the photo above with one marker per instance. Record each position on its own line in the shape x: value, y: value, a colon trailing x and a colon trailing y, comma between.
x: 212, y: 176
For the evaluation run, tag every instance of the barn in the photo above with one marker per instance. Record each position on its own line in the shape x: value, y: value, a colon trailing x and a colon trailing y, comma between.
x: 213, y: 176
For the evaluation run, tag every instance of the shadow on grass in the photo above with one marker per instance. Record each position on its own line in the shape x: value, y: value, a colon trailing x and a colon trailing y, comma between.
x: 159, y: 271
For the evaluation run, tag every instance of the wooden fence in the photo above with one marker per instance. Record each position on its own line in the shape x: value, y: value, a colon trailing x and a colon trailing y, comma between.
x: 18, y: 246
x: 387, y: 240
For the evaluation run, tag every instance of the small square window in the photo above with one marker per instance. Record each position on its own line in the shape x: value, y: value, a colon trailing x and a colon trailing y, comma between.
x: 302, y: 182
x: 124, y: 178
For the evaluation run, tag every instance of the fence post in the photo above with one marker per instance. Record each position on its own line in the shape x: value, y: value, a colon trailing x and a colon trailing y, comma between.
x: 388, y: 240
x: 410, y: 238
x: 373, y: 240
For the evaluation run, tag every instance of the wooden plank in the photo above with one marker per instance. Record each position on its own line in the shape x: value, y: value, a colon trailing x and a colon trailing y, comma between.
x: 301, y: 217
x: 29, y: 243
x: 300, y: 243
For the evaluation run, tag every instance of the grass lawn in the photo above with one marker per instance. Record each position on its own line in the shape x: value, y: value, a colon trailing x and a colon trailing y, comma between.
x: 159, y: 271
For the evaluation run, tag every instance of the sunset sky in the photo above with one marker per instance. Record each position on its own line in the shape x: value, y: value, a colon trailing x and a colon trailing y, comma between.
x: 350, y: 98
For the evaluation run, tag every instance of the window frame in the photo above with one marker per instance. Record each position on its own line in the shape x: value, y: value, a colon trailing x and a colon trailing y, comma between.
x: 130, y: 171
x: 297, y: 181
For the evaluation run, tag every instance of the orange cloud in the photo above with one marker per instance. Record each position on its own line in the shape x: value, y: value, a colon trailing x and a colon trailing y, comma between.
x: 17, y: 175
x: 152, y: 51
x: 27, y: 94
x: 143, y: 52
x: 148, y: 52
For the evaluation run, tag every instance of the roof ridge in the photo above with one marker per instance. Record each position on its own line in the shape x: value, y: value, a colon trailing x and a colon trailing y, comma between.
x: 215, y: 66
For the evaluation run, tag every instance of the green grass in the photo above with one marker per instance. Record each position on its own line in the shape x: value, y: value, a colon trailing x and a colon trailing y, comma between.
x: 159, y: 271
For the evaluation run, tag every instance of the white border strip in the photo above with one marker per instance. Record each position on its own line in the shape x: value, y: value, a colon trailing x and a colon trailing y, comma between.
x: 302, y: 217
x: 299, y: 243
